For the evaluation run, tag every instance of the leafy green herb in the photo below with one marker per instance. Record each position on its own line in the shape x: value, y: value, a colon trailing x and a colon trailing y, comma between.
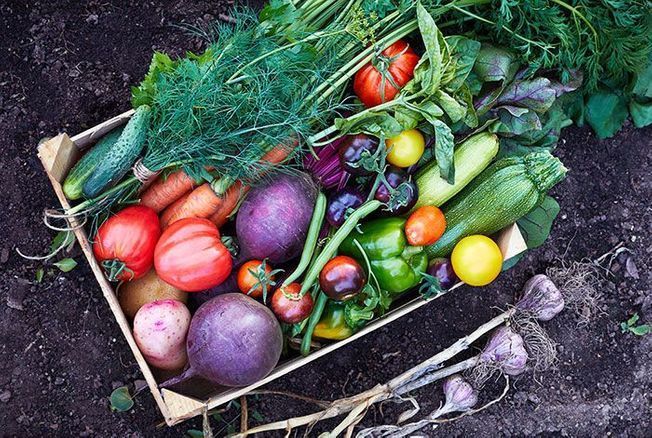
x: 641, y: 113
x: 121, y: 400
x: 494, y: 64
x: 537, y: 224
x: 38, y: 276
x: 62, y: 240
x: 66, y: 265
x: 257, y: 416
x: 606, y: 112
x: 464, y: 52
x: 630, y: 326
x: 428, y: 72
x: 444, y: 150
x: 144, y: 93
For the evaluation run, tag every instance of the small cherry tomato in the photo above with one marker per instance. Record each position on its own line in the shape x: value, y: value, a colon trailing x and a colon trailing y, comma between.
x: 442, y: 270
x: 425, y: 226
x: 405, y: 149
x: 255, y: 277
x: 191, y: 256
x: 375, y: 84
x: 342, y: 278
x: 125, y: 242
x: 352, y: 150
x: 477, y: 260
x: 289, y: 306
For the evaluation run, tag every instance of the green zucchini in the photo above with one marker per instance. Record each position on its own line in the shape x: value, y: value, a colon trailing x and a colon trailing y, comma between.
x: 470, y: 158
x: 119, y: 159
x: 506, y: 191
x: 72, y: 186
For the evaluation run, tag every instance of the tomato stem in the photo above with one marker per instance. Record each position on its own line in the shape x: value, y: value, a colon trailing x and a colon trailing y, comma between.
x: 114, y: 268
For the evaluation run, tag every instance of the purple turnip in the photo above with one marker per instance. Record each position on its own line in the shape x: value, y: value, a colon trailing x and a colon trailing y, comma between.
x: 273, y: 220
x: 233, y: 340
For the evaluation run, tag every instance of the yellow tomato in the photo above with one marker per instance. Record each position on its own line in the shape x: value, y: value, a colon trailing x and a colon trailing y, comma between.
x: 405, y: 149
x: 477, y: 260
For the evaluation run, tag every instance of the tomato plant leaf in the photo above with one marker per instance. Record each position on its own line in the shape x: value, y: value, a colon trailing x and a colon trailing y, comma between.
x: 377, y: 123
x: 536, y: 225
x: 66, y: 265
x: 121, y: 400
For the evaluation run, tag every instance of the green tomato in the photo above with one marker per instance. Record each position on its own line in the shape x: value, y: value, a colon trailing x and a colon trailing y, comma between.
x: 405, y: 149
x: 477, y: 260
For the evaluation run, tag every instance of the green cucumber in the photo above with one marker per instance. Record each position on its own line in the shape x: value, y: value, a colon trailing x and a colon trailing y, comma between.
x: 72, y: 186
x: 506, y: 191
x: 470, y: 158
x: 118, y: 160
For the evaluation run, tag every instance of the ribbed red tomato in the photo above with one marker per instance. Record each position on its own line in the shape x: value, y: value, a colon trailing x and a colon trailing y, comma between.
x: 191, y: 256
x: 125, y: 242
x: 394, y: 68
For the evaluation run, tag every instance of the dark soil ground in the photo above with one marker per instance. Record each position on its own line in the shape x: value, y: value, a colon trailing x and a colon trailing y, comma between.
x: 68, y: 65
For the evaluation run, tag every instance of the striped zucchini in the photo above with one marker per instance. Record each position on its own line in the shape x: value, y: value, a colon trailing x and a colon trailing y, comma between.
x: 119, y: 159
x: 72, y: 186
x: 470, y: 158
x: 506, y: 191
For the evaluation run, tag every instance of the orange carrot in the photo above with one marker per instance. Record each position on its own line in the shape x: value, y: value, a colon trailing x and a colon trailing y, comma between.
x: 166, y: 190
x: 201, y: 202
x: 231, y: 199
x: 218, y: 199
x: 167, y: 214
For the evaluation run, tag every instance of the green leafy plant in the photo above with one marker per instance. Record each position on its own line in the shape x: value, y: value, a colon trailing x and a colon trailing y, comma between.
x: 121, y: 400
x: 630, y: 326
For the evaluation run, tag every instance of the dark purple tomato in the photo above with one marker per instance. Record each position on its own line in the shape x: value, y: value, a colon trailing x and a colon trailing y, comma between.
x: 339, y: 202
x: 289, y: 305
x: 442, y: 269
x: 394, y: 176
x: 342, y: 278
x: 406, y: 194
x: 351, y: 151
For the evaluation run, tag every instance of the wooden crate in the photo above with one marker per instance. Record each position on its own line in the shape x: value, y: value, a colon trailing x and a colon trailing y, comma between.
x: 60, y: 153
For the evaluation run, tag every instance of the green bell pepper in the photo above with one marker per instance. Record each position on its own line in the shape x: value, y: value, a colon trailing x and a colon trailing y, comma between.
x: 396, y: 264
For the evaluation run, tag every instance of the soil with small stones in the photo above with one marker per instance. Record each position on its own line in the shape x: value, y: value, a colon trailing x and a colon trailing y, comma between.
x: 66, y: 66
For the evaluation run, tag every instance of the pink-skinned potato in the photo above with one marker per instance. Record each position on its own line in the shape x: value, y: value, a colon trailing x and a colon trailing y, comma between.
x: 160, y: 330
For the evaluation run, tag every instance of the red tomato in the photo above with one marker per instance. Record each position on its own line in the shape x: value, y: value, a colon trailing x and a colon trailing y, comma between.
x: 374, y: 88
x: 425, y: 226
x: 191, y: 256
x: 342, y: 278
x: 125, y: 243
x: 289, y: 306
x: 253, y: 280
